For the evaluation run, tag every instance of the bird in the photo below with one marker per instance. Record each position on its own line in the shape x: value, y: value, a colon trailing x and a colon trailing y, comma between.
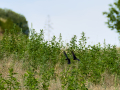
x: 74, y: 57
x: 67, y: 58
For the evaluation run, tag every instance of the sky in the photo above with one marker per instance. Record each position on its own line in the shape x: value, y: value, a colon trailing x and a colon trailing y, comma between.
x: 68, y: 17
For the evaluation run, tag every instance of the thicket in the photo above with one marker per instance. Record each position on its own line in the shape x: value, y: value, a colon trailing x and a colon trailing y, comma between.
x: 45, y: 55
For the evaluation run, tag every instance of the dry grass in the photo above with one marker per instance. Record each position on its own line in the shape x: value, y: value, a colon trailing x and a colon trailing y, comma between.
x: 2, y: 19
x: 1, y: 31
x: 1, y: 35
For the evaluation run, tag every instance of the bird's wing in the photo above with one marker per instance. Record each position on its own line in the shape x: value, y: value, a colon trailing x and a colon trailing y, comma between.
x: 69, y: 61
x: 66, y: 55
x: 78, y: 59
x: 74, y: 57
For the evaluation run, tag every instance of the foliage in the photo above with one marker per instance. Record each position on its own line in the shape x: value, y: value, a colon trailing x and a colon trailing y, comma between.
x: 114, y: 16
x: 11, y: 83
x: 31, y: 82
x: 8, y: 25
x: 16, y: 18
x: 38, y: 54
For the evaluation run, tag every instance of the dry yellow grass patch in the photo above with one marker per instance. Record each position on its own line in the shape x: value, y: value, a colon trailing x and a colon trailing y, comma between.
x: 2, y: 19
x: 1, y: 34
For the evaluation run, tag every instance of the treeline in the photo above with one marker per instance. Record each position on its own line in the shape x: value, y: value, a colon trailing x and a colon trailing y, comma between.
x: 12, y: 18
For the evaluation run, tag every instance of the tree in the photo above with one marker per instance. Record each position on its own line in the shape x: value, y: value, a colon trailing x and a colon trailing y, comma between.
x: 114, y: 16
x: 16, y: 18
x: 8, y: 25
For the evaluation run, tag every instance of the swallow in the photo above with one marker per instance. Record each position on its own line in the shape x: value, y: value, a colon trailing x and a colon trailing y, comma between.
x: 67, y: 58
x: 74, y: 57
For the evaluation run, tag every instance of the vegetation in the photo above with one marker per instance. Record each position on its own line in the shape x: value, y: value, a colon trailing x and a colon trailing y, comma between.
x: 13, y: 18
x: 9, y: 25
x: 43, y: 63
x: 114, y: 16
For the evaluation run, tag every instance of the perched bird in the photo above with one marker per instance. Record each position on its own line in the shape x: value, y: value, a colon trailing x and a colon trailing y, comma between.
x: 67, y: 58
x: 74, y: 57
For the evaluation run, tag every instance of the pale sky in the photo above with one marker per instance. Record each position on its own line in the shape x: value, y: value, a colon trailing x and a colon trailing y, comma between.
x: 68, y: 17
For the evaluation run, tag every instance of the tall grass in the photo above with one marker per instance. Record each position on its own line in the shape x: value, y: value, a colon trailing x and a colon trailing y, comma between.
x: 44, y: 61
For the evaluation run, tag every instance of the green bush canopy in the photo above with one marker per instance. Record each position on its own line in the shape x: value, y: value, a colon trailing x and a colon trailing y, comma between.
x: 12, y: 18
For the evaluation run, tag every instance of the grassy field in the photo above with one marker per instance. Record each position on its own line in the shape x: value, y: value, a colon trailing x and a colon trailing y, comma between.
x: 36, y: 64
